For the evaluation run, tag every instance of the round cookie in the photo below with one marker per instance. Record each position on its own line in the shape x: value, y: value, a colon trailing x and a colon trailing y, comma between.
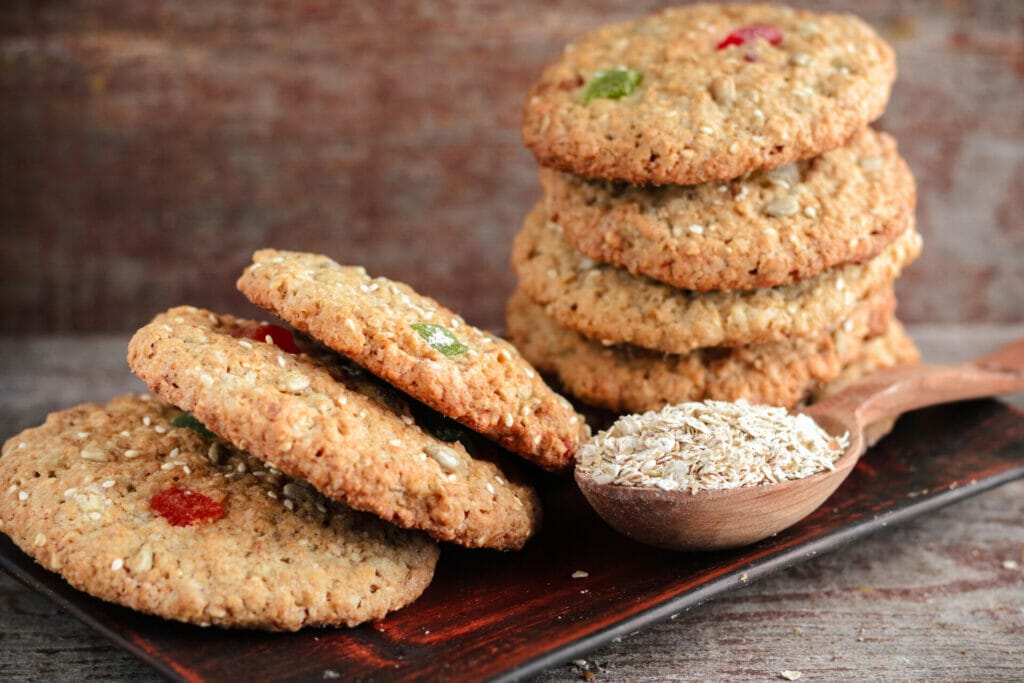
x: 895, y: 347
x: 673, y: 99
x: 608, y: 304
x: 422, y: 348
x: 633, y: 380
x: 765, y: 229
x: 131, y: 509
x: 892, y: 348
x: 314, y: 415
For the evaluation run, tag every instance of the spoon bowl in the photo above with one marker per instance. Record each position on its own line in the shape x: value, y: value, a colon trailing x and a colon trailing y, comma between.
x: 718, y: 519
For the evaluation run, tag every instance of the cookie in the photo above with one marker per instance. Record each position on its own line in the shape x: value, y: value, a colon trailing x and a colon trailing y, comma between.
x: 608, y: 304
x: 422, y: 348
x: 895, y: 347
x: 633, y: 380
x: 892, y: 348
x: 316, y: 416
x: 766, y: 229
x: 133, y: 510
x: 707, y: 92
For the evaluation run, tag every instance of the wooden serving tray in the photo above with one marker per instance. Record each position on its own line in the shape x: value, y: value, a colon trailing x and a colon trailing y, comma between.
x: 493, y: 616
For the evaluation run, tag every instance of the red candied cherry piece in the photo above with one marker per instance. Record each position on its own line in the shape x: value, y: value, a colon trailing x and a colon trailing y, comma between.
x: 279, y: 336
x: 769, y: 34
x: 184, y: 507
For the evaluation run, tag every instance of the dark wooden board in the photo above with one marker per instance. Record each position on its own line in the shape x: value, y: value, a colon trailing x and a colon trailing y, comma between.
x: 504, y: 617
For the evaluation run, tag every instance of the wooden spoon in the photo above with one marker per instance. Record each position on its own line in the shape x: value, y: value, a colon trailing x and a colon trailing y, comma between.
x: 715, y: 519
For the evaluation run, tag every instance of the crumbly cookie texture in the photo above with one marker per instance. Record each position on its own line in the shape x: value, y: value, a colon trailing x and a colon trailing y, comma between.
x: 895, y: 347
x: 314, y: 415
x: 422, y: 348
x: 698, y: 110
x: 764, y: 229
x: 610, y: 305
x: 633, y: 380
x: 82, y: 495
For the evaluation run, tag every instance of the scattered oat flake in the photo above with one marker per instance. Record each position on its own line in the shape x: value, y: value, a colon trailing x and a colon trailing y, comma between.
x: 790, y: 675
x: 710, y: 445
x: 1010, y: 564
x: 580, y: 574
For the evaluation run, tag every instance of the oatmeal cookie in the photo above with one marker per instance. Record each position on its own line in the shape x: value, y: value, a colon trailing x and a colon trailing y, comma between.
x: 422, y: 348
x: 765, y: 229
x: 633, y: 380
x: 895, y: 347
x: 707, y: 92
x: 134, y: 510
x: 608, y: 304
x: 313, y: 415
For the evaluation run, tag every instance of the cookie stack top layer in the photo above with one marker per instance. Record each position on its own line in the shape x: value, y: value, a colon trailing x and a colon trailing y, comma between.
x: 707, y: 92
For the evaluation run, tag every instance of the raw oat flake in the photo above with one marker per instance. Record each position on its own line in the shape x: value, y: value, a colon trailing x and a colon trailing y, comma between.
x: 710, y: 445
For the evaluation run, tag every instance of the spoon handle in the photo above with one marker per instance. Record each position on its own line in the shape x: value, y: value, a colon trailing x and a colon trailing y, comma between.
x: 893, y: 391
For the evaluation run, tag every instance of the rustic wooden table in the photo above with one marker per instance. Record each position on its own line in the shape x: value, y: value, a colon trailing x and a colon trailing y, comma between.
x: 936, y: 599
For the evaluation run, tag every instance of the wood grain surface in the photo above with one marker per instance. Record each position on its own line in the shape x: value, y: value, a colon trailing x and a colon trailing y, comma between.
x: 149, y: 148
x: 936, y: 599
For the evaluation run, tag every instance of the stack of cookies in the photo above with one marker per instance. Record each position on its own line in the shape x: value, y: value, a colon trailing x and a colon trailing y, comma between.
x: 718, y: 220
x: 288, y: 477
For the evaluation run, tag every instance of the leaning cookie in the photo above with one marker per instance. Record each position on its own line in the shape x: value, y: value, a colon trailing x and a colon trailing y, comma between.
x: 131, y: 509
x: 630, y: 379
x: 422, y: 348
x: 707, y: 92
x: 765, y: 229
x: 311, y: 414
x: 606, y: 303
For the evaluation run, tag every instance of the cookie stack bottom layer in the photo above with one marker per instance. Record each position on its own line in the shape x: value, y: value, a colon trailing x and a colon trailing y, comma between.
x: 629, y: 379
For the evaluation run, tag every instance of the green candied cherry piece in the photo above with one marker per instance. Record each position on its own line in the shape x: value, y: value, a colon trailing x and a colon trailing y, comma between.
x: 189, y: 421
x: 440, y: 339
x: 612, y: 84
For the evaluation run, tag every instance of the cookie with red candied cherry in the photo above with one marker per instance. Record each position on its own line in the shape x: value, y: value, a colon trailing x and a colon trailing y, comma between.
x: 422, y: 348
x: 316, y: 416
x: 129, y: 503
x: 707, y: 92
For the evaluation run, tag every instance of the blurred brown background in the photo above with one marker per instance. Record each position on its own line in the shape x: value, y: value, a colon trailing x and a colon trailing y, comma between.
x: 147, y: 148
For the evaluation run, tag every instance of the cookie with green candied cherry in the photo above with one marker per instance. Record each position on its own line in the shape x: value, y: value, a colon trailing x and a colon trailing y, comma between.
x: 422, y: 348
x: 133, y: 509
x: 707, y: 92
x: 313, y: 414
